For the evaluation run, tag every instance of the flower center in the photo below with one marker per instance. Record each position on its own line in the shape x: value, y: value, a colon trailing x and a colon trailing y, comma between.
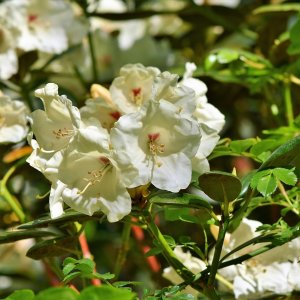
x: 62, y: 133
x: 155, y: 147
x: 31, y: 18
x: 137, y: 95
x: 95, y: 176
x: 115, y: 115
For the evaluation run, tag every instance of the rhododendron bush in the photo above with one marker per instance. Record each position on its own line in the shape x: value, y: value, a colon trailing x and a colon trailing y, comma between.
x: 149, y: 149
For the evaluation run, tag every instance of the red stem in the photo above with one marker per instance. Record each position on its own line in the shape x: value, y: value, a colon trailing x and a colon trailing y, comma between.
x: 87, y: 254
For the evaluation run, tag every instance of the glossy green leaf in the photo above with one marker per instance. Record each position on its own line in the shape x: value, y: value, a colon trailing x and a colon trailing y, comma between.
x: 21, y: 295
x: 61, y: 293
x: 68, y: 216
x: 181, y: 200
x: 12, y: 236
x: 106, y: 292
x: 53, y: 247
x: 286, y: 155
x: 220, y: 186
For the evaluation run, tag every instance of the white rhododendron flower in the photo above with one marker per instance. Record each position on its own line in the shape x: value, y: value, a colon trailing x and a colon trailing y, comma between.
x: 48, y: 26
x: 194, y: 264
x: 54, y: 128
x: 210, y: 119
x: 158, y: 144
x: 41, y: 25
x: 265, y: 274
x: 133, y: 87
x: 88, y: 181
x: 13, y: 122
x: 100, y: 107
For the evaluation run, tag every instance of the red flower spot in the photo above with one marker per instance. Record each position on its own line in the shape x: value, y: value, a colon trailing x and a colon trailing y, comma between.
x: 153, y: 136
x: 32, y: 18
x: 115, y: 114
x: 136, y: 91
x: 104, y: 160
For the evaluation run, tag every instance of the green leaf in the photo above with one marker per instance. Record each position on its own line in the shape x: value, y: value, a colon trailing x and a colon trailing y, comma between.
x: 53, y: 247
x: 267, y: 185
x: 264, y: 146
x: 240, y: 146
x: 61, y: 293
x: 258, y: 176
x: 105, y: 276
x: 286, y: 7
x: 68, y: 216
x: 287, y: 176
x: 181, y: 200
x: 220, y: 186
x: 286, y: 155
x: 12, y: 236
x: 119, y: 284
x: 21, y: 295
x: 85, y: 265
x: 294, y: 47
x: 68, y: 268
x: 71, y: 276
x: 69, y: 260
x: 106, y: 293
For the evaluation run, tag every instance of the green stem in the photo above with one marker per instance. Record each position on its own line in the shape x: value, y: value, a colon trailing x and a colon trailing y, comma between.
x: 12, y: 201
x: 168, y: 252
x: 218, y: 249
x: 288, y: 103
x: 123, y: 249
x: 93, y: 57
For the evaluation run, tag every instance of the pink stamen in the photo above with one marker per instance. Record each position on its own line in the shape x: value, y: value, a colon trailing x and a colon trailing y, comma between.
x: 136, y: 91
x: 115, y: 114
x: 153, y: 136
x: 32, y: 18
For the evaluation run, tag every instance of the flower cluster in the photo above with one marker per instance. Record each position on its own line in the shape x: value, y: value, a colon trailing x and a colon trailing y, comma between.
x: 148, y: 128
x: 269, y: 273
x: 48, y: 26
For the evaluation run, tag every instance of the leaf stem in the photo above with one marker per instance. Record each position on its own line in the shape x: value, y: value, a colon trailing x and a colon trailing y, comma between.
x: 123, y: 249
x: 168, y: 252
x: 218, y: 249
x: 286, y: 197
x: 93, y: 57
x: 288, y: 103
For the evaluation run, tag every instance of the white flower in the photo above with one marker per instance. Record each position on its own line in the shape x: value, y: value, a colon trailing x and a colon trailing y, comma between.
x: 100, y: 107
x: 47, y: 25
x: 210, y: 119
x: 228, y: 3
x: 133, y: 87
x: 195, y: 265
x: 54, y: 128
x: 156, y: 145
x: 272, y: 272
x: 13, y: 123
x: 8, y: 56
x: 89, y: 180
